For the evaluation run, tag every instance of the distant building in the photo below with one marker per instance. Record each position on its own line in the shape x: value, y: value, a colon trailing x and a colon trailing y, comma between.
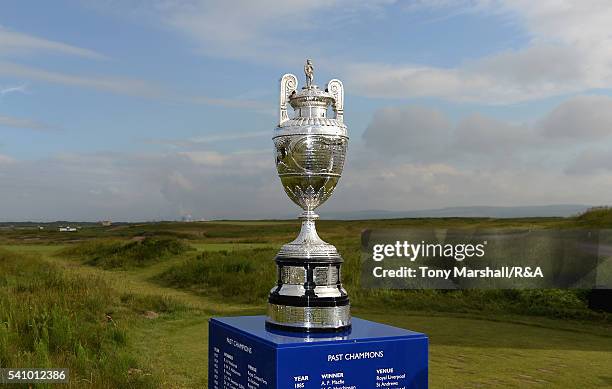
x: 106, y: 223
x: 67, y: 229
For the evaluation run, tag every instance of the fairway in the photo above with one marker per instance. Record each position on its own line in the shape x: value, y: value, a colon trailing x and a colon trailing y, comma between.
x: 467, y: 350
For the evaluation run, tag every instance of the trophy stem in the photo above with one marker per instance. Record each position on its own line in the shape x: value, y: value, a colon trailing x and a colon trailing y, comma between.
x: 308, y: 245
x: 308, y: 215
x: 308, y: 233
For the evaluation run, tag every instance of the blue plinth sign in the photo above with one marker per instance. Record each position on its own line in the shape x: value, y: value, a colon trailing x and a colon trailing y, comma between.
x: 244, y: 354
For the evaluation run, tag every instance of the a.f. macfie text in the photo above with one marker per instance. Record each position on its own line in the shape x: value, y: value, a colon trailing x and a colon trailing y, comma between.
x: 413, y: 251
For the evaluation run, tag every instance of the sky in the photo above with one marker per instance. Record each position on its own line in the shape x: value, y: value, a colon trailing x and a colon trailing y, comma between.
x: 153, y: 110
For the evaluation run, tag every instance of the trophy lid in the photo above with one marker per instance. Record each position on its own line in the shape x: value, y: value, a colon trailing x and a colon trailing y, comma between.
x: 311, y: 96
x: 310, y: 105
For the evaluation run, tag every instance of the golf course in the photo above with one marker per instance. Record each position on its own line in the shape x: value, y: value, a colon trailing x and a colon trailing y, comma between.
x: 128, y: 305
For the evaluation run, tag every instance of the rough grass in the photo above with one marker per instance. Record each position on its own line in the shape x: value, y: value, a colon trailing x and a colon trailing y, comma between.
x: 246, y: 276
x: 555, y: 303
x: 242, y: 275
x: 600, y: 217
x: 49, y: 318
x: 113, y: 254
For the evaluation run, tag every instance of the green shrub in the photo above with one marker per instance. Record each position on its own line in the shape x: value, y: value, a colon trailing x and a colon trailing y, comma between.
x: 112, y: 254
x: 156, y: 303
x: 242, y: 275
x: 600, y: 217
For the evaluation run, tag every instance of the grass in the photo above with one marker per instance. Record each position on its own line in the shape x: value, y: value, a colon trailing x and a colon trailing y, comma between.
x: 468, y: 352
x: 244, y: 276
x: 467, y: 349
x: 496, y: 339
x: 51, y: 319
x: 113, y: 254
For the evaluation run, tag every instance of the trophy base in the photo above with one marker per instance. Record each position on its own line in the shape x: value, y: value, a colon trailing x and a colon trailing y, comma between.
x: 309, y: 319
x: 309, y: 296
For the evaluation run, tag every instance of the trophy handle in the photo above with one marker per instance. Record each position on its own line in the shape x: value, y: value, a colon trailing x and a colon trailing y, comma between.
x: 336, y: 89
x: 288, y: 85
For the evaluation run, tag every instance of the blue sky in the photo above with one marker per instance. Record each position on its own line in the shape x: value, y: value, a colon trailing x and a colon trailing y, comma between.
x: 136, y: 110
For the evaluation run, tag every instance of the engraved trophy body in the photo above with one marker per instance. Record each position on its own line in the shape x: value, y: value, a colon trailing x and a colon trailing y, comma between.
x: 310, y: 153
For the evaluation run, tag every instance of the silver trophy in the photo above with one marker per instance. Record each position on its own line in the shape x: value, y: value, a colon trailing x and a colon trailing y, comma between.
x: 310, y: 152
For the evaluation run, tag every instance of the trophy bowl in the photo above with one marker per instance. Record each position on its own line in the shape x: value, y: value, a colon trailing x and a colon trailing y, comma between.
x: 310, y: 166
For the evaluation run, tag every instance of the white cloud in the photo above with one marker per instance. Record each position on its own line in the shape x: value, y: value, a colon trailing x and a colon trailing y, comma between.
x: 425, y: 136
x: 206, y: 158
x: 124, y: 186
x: 413, y: 131
x: 568, y: 52
x: 593, y: 161
x: 228, y: 136
x: 583, y: 117
x: 12, y: 42
x: 570, y: 21
x: 249, y: 30
x: 508, y: 77
x: 5, y: 159
x: 12, y: 89
x: 13, y: 122
x: 246, y: 29
x: 249, y: 104
x: 564, y: 55
x: 371, y: 182
x: 213, y: 184
x: 480, y: 134
x: 212, y: 138
x: 123, y: 86
x: 393, y: 81
x: 109, y: 84
x: 573, y: 139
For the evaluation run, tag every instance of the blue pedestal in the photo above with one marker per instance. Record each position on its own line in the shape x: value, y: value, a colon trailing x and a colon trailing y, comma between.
x: 244, y: 354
